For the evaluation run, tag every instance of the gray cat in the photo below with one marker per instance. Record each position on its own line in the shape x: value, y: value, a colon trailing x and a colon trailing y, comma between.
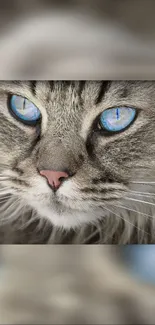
x: 77, y: 162
x: 77, y: 285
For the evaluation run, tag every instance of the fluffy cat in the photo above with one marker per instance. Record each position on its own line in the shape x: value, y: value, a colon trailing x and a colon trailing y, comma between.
x: 106, y: 194
x: 77, y: 285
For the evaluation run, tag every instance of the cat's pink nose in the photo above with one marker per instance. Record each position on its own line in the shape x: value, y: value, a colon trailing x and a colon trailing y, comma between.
x: 54, y: 178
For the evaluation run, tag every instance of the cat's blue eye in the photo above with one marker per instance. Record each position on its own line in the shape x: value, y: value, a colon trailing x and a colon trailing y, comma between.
x: 24, y: 110
x: 117, y: 119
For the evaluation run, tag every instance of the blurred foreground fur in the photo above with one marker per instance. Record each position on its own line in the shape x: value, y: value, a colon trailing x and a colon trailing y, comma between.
x: 77, y: 285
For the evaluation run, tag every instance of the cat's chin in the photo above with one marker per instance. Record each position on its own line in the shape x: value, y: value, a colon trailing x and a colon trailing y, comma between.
x: 66, y: 209
x: 68, y: 219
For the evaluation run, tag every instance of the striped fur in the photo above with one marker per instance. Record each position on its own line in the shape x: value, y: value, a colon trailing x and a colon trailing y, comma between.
x: 110, y: 196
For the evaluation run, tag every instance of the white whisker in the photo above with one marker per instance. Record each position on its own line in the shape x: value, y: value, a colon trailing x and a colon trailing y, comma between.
x: 117, y: 215
x: 143, y: 195
x: 12, y: 200
x: 132, y: 210
x: 12, y: 216
x: 137, y: 192
x: 140, y: 201
x: 142, y: 182
x: 91, y: 236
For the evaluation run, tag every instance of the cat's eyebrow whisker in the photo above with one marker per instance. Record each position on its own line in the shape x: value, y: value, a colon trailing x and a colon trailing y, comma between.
x: 140, y: 201
x: 117, y: 215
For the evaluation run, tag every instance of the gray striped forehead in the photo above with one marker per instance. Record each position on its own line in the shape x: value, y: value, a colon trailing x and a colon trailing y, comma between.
x: 65, y: 102
x: 87, y: 90
x: 67, y: 92
x: 72, y: 91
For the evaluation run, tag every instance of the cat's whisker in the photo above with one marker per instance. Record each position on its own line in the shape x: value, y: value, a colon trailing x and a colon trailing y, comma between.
x: 96, y: 232
x: 140, y: 201
x: 132, y: 210
x: 11, y: 215
x: 143, y: 195
x: 90, y: 237
x: 142, y: 182
x: 8, y: 209
x: 7, y: 204
x: 137, y: 192
x: 117, y: 215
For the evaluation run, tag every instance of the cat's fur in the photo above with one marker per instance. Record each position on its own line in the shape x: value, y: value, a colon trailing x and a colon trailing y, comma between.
x: 77, y: 285
x: 102, y: 196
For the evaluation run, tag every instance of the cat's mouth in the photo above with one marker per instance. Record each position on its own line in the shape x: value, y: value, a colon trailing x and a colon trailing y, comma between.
x: 71, y: 205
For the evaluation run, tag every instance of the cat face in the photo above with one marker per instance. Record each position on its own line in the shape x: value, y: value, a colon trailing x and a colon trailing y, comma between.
x: 72, y: 150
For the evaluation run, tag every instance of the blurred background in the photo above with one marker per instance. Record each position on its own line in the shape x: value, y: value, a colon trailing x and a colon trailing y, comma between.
x: 77, y: 39
x: 77, y: 284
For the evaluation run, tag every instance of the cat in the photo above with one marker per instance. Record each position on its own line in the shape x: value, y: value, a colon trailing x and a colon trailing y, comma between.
x: 87, y: 39
x: 67, y: 176
x: 77, y: 285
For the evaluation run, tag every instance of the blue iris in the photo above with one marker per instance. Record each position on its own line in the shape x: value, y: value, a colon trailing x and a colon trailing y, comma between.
x: 117, y: 119
x: 24, y: 110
